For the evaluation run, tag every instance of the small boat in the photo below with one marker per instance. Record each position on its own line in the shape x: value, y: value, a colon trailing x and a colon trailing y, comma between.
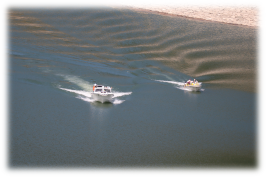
x: 193, y: 86
x: 102, y: 94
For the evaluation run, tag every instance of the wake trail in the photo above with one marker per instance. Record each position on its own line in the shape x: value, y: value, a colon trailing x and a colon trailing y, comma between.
x: 172, y: 82
x: 86, y: 96
x: 79, y: 92
x: 119, y: 94
x: 85, y: 85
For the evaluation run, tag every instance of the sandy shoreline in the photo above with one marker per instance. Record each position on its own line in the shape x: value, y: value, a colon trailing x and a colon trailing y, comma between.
x: 247, y: 16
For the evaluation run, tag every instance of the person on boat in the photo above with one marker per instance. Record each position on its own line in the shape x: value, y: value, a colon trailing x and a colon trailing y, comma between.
x: 95, y: 85
x: 187, y: 83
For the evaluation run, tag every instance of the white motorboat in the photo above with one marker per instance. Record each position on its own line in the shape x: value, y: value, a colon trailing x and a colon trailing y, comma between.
x: 193, y: 86
x: 102, y: 94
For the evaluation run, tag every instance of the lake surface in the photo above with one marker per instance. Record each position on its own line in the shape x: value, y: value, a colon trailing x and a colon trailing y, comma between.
x: 55, y: 57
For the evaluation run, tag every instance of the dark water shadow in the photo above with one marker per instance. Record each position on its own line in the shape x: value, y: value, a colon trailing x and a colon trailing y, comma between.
x: 102, y: 105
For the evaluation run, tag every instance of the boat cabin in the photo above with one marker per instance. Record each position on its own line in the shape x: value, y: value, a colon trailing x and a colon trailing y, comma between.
x: 102, y: 89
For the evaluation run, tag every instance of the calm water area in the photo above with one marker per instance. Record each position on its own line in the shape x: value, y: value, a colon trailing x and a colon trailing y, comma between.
x: 56, y: 55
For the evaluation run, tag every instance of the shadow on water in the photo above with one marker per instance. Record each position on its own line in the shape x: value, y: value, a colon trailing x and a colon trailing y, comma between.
x: 102, y: 105
x: 192, y: 92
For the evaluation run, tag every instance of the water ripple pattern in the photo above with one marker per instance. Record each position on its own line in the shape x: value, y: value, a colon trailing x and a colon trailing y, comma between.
x: 57, y: 55
x: 223, y: 55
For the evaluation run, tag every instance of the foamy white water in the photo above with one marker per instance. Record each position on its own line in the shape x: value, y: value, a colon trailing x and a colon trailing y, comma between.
x: 171, y: 82
x: 79, y: 92
x: 87, y: 99
x: 119, y: 94
x: 116, y: 101
x: 86, y: 96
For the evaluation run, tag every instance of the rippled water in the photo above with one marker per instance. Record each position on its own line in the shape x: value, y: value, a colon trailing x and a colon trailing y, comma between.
x: 57, y: 55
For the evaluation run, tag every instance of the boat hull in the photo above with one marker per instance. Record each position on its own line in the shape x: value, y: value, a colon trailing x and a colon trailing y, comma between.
x: 102, y: 97
x: 194, y: 88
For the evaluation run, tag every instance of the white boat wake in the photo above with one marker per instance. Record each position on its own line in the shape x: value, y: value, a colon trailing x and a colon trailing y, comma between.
x: 119, y: 94
x: 172, y: 82
x: 79, y: 92
x: 86, y: 96
x: 86, y: 89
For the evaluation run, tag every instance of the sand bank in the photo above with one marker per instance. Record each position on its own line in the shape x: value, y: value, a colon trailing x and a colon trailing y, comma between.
x: 247, y: 16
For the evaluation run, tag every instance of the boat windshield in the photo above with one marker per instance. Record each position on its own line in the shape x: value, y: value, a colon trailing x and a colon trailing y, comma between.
x: 107, y: 90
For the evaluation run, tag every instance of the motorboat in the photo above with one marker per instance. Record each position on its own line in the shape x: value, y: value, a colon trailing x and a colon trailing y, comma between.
x: 102, y: 94
x: 193, y: 86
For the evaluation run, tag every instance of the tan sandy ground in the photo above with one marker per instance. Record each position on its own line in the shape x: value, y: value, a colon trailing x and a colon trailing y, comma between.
x: 247, y: 16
